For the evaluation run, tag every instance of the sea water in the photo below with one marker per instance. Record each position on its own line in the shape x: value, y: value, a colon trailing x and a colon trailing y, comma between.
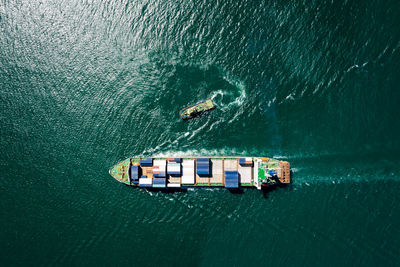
x: 85, y: 84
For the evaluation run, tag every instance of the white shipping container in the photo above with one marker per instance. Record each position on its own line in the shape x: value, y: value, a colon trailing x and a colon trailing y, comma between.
x: 188, y: 171
x: 174, y: 185
x: 145, y: 181
x: 159, y: 162
x: 174, y: 169
x: 188, y: 163
x: 188, y: 179
x: 159, y: 168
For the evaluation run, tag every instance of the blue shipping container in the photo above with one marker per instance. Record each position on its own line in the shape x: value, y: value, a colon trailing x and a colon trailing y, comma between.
x: 159, y: 182
x: 148, y: 162
x: 231, y: 179
x: 161, y: 174
x: 203, y: 160
x: 242, y: 162
x: 203, y: 166
x: 174, y: 172
x: 134, y: 172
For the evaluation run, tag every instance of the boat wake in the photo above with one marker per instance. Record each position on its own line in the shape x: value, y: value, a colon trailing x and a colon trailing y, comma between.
x: 207, y: 152
x: 225, y: 99
x: 343, y: 169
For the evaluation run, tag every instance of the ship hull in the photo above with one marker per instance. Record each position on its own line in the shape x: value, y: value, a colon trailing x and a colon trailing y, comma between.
x: 197, y: 109
x: 173, y: 173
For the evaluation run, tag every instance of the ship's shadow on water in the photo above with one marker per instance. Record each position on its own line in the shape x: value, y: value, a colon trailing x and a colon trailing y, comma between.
x: 236, y: 191
x: 269, y: 189
x: 184, y: 190
x: 167, y: 190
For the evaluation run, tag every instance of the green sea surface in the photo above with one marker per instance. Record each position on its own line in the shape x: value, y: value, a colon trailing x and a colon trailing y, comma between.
x: 84, y: 84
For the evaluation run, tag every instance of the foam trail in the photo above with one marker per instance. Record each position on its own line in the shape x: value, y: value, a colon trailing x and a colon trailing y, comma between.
x: 237, y: 101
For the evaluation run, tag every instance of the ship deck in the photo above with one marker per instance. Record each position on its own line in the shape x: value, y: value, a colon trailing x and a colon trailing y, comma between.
x: 251, y: 174
x: 200, y: 107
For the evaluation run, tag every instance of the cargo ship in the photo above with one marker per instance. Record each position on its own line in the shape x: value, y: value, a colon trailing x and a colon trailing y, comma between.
x: 195, y: 110
x: 180, y: 173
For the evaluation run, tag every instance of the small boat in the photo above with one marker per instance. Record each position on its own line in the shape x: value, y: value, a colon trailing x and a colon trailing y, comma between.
x: 192, y: 111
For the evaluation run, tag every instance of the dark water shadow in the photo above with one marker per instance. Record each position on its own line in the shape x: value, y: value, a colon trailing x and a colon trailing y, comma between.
x: 236, y: 191
x: 266, y: 190
x: 168, y: 190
